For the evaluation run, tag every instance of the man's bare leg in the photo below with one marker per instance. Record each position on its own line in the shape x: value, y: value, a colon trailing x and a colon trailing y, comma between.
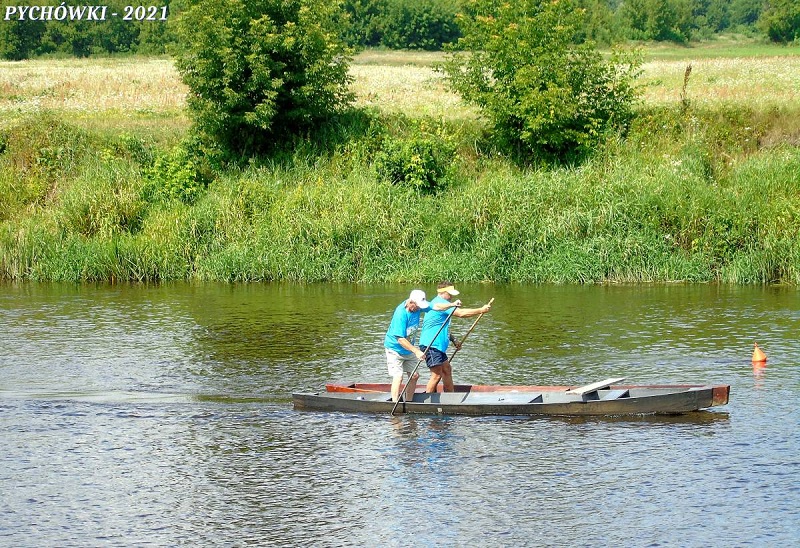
x: 436, y: 376
x: 396, y: 380
x: 447, y: 377
x: 411, y: 387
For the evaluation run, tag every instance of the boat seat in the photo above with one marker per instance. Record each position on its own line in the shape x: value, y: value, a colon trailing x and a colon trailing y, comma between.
x: 604, y: 395
x: 374, y: 397
x: 616, y: 394
x: 513, y: 398
x: 582, y: 390
x: 447, y: 398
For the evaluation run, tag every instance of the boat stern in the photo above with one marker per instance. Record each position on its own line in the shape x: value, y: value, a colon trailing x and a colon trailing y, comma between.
x: 720, y: 394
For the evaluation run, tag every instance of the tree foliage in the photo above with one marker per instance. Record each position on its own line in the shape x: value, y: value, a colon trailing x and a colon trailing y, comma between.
x: 544, y: 92
x: 419, y: 24
x: 781, y: 20
x: 25, y: 34
x: 363, y: 25
x: 399, y: 24
x: 18, y: 39
x: 258, y: 70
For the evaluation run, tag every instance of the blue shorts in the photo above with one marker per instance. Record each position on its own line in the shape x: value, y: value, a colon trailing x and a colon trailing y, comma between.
x: 434, y: 356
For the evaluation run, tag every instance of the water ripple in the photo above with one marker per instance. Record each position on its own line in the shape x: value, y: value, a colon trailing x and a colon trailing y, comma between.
x: 162, y: 416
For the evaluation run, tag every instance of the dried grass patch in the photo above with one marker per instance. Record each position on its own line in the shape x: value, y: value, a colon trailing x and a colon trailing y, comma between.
x: 410, y: 89
x: 760, y: 83
x: 90, y: 87
x: 136, y: 91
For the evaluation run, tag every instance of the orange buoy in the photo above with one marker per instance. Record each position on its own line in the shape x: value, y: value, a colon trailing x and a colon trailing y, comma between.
x: 758, y: 355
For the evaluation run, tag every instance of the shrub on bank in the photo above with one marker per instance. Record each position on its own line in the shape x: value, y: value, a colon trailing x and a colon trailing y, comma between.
x: 37, y: 155
x: 682, y: 199
x: 420, y: 162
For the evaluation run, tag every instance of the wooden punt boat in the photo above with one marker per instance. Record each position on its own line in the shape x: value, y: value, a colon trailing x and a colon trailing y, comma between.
x: 606, y: 397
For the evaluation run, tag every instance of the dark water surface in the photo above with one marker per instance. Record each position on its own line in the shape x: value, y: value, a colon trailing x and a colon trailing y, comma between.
x: 161, y: 415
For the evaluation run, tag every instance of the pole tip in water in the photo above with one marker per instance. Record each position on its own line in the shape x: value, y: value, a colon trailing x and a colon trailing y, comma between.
x: 758, y: 355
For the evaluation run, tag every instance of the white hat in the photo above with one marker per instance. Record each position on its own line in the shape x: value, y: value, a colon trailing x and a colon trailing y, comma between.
x: 418, y: 297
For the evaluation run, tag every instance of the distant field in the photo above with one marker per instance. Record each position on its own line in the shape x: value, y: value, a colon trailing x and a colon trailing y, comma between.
x: 146, y: 95
x: 724, y: 47
x: 760, y: 82
x: 108, y: 95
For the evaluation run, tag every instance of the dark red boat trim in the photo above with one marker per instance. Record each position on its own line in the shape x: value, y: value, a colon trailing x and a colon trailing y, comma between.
x: 721, y: 394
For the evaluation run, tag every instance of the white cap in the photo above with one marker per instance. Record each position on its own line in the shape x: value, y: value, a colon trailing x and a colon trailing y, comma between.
x: 418, y: 297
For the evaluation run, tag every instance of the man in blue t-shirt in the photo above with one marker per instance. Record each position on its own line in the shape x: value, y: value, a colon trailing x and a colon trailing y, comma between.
x: 401, y: 354
x: 436, y: 349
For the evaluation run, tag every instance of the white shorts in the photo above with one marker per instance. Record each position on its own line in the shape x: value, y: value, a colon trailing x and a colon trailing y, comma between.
x: 397, y: 363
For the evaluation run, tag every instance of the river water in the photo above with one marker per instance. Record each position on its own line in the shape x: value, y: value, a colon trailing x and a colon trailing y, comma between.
x: 162, y: 416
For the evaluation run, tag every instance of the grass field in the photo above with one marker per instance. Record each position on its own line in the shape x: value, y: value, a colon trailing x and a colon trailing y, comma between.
x: 110, y: 95
x: 708, y: 192
x: 146, y: 96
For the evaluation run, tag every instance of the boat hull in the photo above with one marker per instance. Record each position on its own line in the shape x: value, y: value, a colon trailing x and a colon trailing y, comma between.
x: 519, y: 400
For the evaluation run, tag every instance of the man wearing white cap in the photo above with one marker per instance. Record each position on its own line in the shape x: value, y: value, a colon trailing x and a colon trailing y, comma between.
x: 401, y: 354
x: 435, y: 349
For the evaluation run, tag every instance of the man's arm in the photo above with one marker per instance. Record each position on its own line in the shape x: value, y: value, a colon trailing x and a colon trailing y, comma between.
x: 467, y: 312
x: 447, y: 306
x: 405, y: 343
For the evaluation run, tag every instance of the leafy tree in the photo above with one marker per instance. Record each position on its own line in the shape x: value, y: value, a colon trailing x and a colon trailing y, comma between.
x: 598, y: 25
x: 362, y: 27
x: 401, y: 24
x: 544, y: 92
x: 633, y: 15
x: 660, y: 20
x: 717, y: 15
x: 419, y: 24
x: 72, y: 37
x: 745, y: 12
x: 258, y: 70
x: 18, y: 39
x: 780, y: 20
x: 158, y: 37
x: 115, y: 34
x: 155, y: 38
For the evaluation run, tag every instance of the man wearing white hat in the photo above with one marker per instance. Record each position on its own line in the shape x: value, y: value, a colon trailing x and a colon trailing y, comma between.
x: 401, y: 354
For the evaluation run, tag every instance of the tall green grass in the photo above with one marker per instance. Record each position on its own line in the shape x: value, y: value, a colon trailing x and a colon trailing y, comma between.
x: 685, y: 197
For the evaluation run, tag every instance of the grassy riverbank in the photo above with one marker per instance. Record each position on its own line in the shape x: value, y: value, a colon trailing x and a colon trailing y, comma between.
x: 94, y: 184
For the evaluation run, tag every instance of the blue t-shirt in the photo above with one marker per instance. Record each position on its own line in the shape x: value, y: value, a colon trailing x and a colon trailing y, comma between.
x: 433, y: 321
x: 403, y: 324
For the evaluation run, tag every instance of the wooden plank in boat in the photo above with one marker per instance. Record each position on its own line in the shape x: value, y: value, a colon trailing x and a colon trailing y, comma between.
x: 490, y: 398
x: 616, y: 394
x: 594, y: 386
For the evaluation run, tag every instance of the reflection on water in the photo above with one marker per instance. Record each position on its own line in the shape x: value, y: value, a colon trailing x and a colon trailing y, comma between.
x: 161, y: 415
x: 688, y: 419
x: 759, y: 371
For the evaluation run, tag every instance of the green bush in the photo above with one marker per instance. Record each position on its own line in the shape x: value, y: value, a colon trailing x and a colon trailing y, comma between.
x: 173, y: 176
x: 546, y: 95
x: 39, y: 154
x: 258, y: 71
x: 133, y: 147
x: 419, y: 162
